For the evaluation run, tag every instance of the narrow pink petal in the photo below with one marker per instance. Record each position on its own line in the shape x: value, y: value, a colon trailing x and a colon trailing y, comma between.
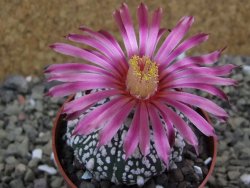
x: 194, y: 100
x: 170, y: 128
x: 123, y: 32
x: 144, y: 132
x: 210, y: 80
x: 111, y: 128
x: 75, y: 67
x: 79, y: 77
x: 116, y: 45
x: 183, y: 47
x: 184, y: 130
x: 132, y: 137
x: 88, y: 100
x: 103, y: 48
x: 207, y: 88
x: 154, y: 32
x: 173, y: 38
x: 128, y: 25
x: 193, y: 116
x: 200, y: 71
x: 142, y: 14
x: 191, y: 62
x: 100, y: 115
x: 71, y: 88
x: 81, y: 53
x: 160, y: 139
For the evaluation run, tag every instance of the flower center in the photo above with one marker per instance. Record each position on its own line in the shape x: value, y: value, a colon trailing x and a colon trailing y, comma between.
x: 142, y: 77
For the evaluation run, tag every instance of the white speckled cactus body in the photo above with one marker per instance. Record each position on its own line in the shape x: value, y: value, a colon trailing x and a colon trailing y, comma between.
x: 108, y: 161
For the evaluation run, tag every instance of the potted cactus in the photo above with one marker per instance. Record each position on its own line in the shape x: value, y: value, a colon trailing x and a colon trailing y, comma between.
x: 131, y: 107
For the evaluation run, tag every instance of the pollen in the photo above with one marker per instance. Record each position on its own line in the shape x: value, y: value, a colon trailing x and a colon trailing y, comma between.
x: 142, y: 77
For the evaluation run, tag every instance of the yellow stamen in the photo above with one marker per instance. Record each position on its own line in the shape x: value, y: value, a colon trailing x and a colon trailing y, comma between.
x: 142, y: 77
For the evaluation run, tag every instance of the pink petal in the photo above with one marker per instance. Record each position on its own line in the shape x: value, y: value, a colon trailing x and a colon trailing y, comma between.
x: 79, y: 77
x: 160, y: 139
x: 123, y: 32
x: 144, y: 132
x: 183, y: 47
x: 207, y: 88
x: 111, y: 128
x: 71, y: 88
x: 74, y: 67
x: 132, y: 137
x: 188, y: 62
x: 104, y: 48
x: 154, y: 32
x: 88, y: 100
x: 210, y: 80
x: 128, y: 25
x: 194, y: 100
x: 142, y: 14
x: 100, y: 115
x: 81, y: 53
x: 200, y: 71
x: 184, y: 130
x: 106, y: 39
x: 194, y: 117
x: 173, y: 38
x: 170, y: 128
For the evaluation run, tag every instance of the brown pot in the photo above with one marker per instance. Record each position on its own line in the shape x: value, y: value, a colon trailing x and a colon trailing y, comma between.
x: 56, y: 148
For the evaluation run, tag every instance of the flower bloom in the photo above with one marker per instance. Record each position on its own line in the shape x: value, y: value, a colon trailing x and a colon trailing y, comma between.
x: 148, y: 80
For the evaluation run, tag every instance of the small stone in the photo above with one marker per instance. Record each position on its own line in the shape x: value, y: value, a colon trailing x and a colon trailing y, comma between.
x: 29, y: 176
x: 176, y: 175
x: 246, y: 69
x: 16, y: 183
x: 105, y: 184
x: 37, y: 153
x: 86, y: 175
x: 198, y: 170
x: 48, y: 169
x: 149, y: 184
x: 33, y: 163
x: 11, y: 160
x: 57, y: 182
x: 187, y: 170
x: 86, y: 184
x: 233, y: 175
x: 140, y: 181
x: 245, y: 178
x: 17, y: 83
x: 20, y: 169
x: 208, y: 161
x: 40, y: 183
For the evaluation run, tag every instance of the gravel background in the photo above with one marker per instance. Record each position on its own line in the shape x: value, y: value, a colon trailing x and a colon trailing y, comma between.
x: 26, y: 124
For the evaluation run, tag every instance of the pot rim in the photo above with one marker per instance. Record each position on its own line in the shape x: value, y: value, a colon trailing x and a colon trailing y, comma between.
x: 213, y: 144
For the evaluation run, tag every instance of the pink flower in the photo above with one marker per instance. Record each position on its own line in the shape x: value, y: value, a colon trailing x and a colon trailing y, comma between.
x: 148, y: 79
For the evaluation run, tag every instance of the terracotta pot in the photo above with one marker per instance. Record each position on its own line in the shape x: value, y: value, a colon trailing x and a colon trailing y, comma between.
x: 56, y: 147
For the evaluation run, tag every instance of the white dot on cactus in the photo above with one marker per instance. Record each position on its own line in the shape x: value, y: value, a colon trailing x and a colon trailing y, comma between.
x: 99, y: 168
x: 105, y: 168
x: 76, y: 140
x: 123, y: 156
x: 140, y: 181
x: 90, y: 164
x: 152, y: 169
x: 119, y: 153
x: 130, y: 163
x: 126, y: 168
x: 104, y: 152
x: 142, y: 170
x: 130, y: 176
x: 112, y: 151
x: 107, y: 159
x: 173, y: 166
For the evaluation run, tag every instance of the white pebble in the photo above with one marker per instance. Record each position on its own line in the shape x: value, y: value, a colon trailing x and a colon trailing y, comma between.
x: 208, y: 160
x: 86, y: 175
x: 159, y: 186
x: 173, y: 165
x: 45, y: 168
x: 140, y: 181
x: 246, y: 69
x: 37, y: 153
x: 198, y: 170
x: 245, y: 178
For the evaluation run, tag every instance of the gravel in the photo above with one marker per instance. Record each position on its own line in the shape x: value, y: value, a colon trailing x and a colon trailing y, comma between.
x: 26, y: 123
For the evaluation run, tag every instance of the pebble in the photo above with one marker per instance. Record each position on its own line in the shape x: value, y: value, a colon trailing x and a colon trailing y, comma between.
x: 245, y: 178
x: 48, y: 169
x: 40, y: 183
x: 37, y: 153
